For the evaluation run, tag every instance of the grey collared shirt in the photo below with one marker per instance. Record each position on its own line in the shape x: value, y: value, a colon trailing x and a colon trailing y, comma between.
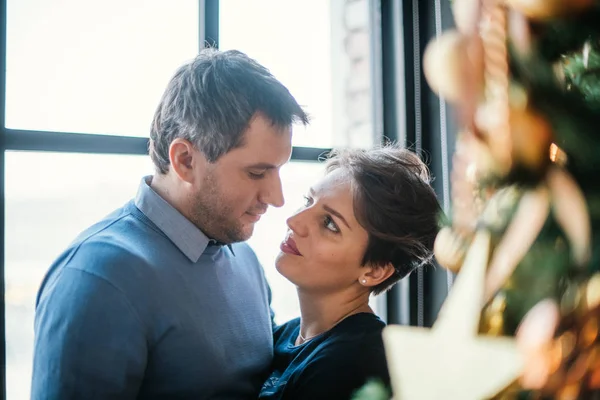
x: 182, y: 232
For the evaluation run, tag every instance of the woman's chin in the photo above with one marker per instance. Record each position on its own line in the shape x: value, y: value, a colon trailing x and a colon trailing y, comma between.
x: 279, y: 261
x: 282, y: 264
x: 283, y: 258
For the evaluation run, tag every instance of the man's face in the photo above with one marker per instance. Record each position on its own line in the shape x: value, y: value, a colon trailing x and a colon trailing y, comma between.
x: 236, y: 190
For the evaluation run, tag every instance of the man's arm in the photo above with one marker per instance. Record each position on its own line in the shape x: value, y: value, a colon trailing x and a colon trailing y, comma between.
x: 89, y: 341
x: 270, y: 296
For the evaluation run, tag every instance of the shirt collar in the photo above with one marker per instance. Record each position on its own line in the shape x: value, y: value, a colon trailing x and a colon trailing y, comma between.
x: 190, y: 240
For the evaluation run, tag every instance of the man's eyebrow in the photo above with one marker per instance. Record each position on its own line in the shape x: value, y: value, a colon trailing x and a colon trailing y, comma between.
x: 262, y: 166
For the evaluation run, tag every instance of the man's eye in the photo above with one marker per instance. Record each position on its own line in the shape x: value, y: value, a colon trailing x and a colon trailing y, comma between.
x: 254, y: 175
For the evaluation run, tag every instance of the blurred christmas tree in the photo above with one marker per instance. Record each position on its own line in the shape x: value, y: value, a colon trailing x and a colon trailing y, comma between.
x: 525, y: 77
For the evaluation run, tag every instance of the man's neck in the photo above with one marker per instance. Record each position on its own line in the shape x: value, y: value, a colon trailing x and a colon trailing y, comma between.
x: 163, y: 186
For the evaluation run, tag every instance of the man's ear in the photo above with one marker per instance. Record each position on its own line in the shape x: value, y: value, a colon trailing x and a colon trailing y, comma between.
x: 184, y: 157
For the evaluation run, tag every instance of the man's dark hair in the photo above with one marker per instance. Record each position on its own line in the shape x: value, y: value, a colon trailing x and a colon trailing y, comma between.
x: 211, y: 100
x: 395, y: 204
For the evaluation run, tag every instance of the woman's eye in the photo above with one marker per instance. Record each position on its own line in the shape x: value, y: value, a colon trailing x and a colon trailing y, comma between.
x: 307, y: 201
x: 332, y: 226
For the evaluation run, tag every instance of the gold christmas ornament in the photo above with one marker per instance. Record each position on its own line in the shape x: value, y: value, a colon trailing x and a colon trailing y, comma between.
x: 449, y: 249
x: 519, y: 32
x: 531, y: 137
x: 571, y: 212
x: 563, y: 362
x: 492, y: 116
x: 494, y: 32
x: 546, y: 9
x: 534, y: 337
x: 465, y: 14
x: 471, y: 162
x: 496, y: 214
x: 491, y: 120
x: 592, y: 292
x: 522, y: 231
x: 444, y: 65
x: 557, y: 155
x: 492, y: 318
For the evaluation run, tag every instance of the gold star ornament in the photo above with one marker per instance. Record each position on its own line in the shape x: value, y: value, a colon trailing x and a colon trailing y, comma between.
x: 451, y: 361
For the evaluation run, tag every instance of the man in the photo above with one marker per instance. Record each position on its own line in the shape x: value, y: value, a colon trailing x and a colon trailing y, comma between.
x: 160, y: 300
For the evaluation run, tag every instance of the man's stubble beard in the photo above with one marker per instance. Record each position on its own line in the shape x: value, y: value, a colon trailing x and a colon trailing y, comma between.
x: 213, y: 215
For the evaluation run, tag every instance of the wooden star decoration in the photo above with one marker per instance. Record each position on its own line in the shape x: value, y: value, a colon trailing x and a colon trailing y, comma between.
x: 450, y: 360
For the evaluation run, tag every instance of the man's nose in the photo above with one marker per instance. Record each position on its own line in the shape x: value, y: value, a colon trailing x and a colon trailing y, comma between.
x: 273, y: 192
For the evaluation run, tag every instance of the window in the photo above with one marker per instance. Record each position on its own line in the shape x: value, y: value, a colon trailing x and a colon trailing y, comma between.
x: 78, y: 69
x: 296, y: 179
x: 50, y: 198
x: 84, y: 67
x: 93, y: 66
x: 322, y: 51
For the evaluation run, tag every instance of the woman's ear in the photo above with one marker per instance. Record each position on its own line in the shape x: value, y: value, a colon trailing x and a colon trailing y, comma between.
x: 374, y: 275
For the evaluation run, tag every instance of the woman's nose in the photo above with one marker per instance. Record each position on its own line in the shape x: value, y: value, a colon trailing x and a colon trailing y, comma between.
x: 297, y: 223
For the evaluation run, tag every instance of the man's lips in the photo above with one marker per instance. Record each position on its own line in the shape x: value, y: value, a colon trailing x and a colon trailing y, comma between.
x: 254, y: 216
x: 289, y: 246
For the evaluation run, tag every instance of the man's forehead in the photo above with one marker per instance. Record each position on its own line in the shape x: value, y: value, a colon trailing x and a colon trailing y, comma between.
x: 265, y: 155
x: 263, y: 160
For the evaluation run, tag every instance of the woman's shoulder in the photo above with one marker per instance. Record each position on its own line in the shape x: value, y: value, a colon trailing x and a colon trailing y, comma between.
x: 344, y: 360
x: 362, y: 325
x: 291, y: 324
x: 355, y: 340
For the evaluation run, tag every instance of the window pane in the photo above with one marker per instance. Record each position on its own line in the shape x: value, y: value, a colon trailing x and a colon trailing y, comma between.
x: 50, y: 198
x: 296, y: 178
x: 321, y: 50
x: 94, y: 66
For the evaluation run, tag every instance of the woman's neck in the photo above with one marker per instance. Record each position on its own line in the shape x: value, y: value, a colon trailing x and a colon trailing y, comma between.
x: 321, y: 312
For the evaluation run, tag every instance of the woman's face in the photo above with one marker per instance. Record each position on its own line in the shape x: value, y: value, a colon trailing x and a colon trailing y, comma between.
x: 325, y: 244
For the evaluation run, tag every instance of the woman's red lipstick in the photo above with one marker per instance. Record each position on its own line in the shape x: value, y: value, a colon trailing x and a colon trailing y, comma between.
x: 289, y: 246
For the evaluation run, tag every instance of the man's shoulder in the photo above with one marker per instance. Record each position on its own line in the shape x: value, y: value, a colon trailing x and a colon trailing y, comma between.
x: 245, y: 253
x: 243, y: 249
x: 124, y: 223
x: 111, y: 246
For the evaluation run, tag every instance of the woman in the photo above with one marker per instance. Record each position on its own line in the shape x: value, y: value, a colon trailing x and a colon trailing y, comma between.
x: 369, y: 222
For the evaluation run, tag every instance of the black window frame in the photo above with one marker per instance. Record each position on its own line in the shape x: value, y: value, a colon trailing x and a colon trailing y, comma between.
x: 419, y: 119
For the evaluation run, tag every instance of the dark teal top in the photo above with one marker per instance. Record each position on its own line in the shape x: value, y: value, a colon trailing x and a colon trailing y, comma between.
x: 330, y: 366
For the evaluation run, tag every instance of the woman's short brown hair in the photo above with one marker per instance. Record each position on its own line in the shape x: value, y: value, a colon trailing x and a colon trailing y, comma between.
x: 395, y: 204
